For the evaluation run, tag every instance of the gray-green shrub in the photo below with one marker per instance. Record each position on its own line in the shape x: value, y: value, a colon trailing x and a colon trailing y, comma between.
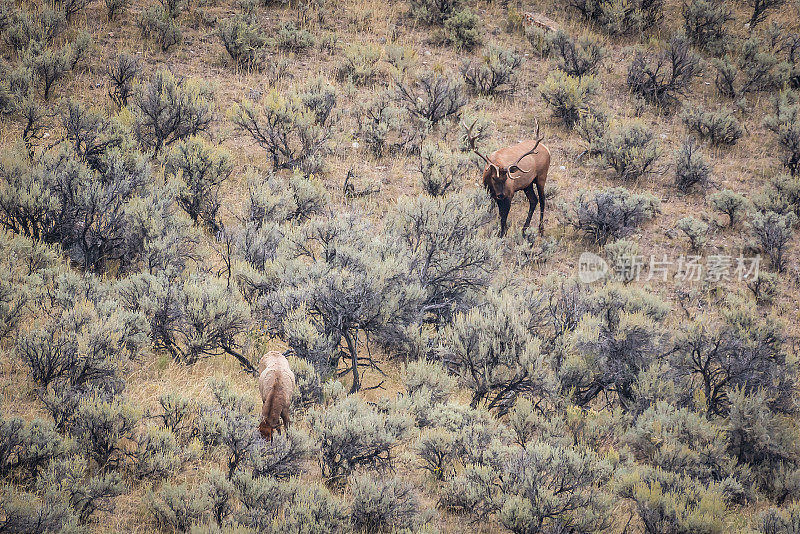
x: 168, y: 109
x: 200, y: 170
x: 773, y: 232
x: 663, y: 77
x: 631, y: 151
x: 731, y: 204
x: 568, y: 96
x: 577, y: 57
x: 719, y: 127
x: 611, y: 213
x: 695, y: 230
x: 382, y: 504
x: 352, y: 434
x: 704, y: 24
x: 691, y: 167
x: 157, y: 24
x: 494, y: 73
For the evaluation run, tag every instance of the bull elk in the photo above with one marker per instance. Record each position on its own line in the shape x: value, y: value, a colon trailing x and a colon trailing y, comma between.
x: 515, y: 168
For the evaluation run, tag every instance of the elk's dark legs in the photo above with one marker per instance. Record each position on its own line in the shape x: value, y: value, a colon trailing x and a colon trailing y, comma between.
x: 540, y: 191
x: 503, y: 206
x: 532, y: 200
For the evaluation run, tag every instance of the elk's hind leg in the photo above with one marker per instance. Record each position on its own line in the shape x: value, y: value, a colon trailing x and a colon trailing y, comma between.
x: 532, y: 200
x: 285, y: 418
x: 540, y: 190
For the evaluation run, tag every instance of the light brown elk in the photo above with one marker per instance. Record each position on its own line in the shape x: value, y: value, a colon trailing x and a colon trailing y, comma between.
x: 516, y: 168
x: 276, y: 383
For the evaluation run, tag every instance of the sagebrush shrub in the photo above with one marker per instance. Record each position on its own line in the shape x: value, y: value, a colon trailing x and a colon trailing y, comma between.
x: 763, y: 439
x: 30, y: 513
x: 243, y: 39
x: 731, y: 204
x: 461, y: 30
x: 378, y: 119
x: 175, y: 507
x: 89, y: 134
x: 26, y: 449
x: 157, y: 454
x: 773, y: 232
x: 663, y: 77
x: 764, y: 287
x: 121, y: 71
x: 621, y: 17
x: 47, y: 66
x: 432, y: 376
x: 611, y: 213
x: 169, y: 109
x: 433, y: 97
x: 577, y: 57
x: 435, y: 11
x: 542, y: 482
x: 157, y: 24
x: 200, y: 170
x: 780, y: 194
x: 494, y: 73
x: 695, y: 230
x: 448, y: 251
x: 473, y: 491
x: 441, y: 170
x: 436, y: 449
x: 115, y: 7
x: 743, y: 351
x: 569, y: 96
x: 495, y: 378
x: 719, y: 127
x: 691, y: 167
x: 359, y: 65
x: 353, y: 434
x: 621, y: 256
x: 668, y: 501
x: 538, y: 38
x: 760, y: 10
x: 785, y: 124
x: 291, y: 38
x: 283, y: 457
x: 69, y: 479
x: 102, y: 429
x: 382, y: 504
x: 626, y: 323
x: 755, y: 69
x: 228, y: 424
x: 177, y: 411
x: 308, y: 391
x: 287, y: 128
x: 312, y: 510
x: 704, y: 24
x: 776, y: 520
x: 632, y: 151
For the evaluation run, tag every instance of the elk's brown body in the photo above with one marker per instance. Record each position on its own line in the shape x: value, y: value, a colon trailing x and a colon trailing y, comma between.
x: 276, y: 383
x: 521, y: 167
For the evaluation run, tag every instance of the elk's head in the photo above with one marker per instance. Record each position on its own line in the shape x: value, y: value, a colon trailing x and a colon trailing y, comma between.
x: 501, y: 178
x: 265, y: 430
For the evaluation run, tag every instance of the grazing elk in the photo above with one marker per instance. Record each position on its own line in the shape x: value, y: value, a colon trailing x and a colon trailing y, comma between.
x: 276, y: 384
x: 516, y: 168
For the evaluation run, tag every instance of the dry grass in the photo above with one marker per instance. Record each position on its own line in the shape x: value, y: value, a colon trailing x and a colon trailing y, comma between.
x: 742, y: 168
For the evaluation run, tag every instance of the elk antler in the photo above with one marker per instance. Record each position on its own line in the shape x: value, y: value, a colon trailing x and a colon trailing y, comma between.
x: 472, y: 138
x: 531, y: 151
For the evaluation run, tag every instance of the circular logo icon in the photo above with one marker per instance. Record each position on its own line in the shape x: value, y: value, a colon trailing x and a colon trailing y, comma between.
x: 591, y: 268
